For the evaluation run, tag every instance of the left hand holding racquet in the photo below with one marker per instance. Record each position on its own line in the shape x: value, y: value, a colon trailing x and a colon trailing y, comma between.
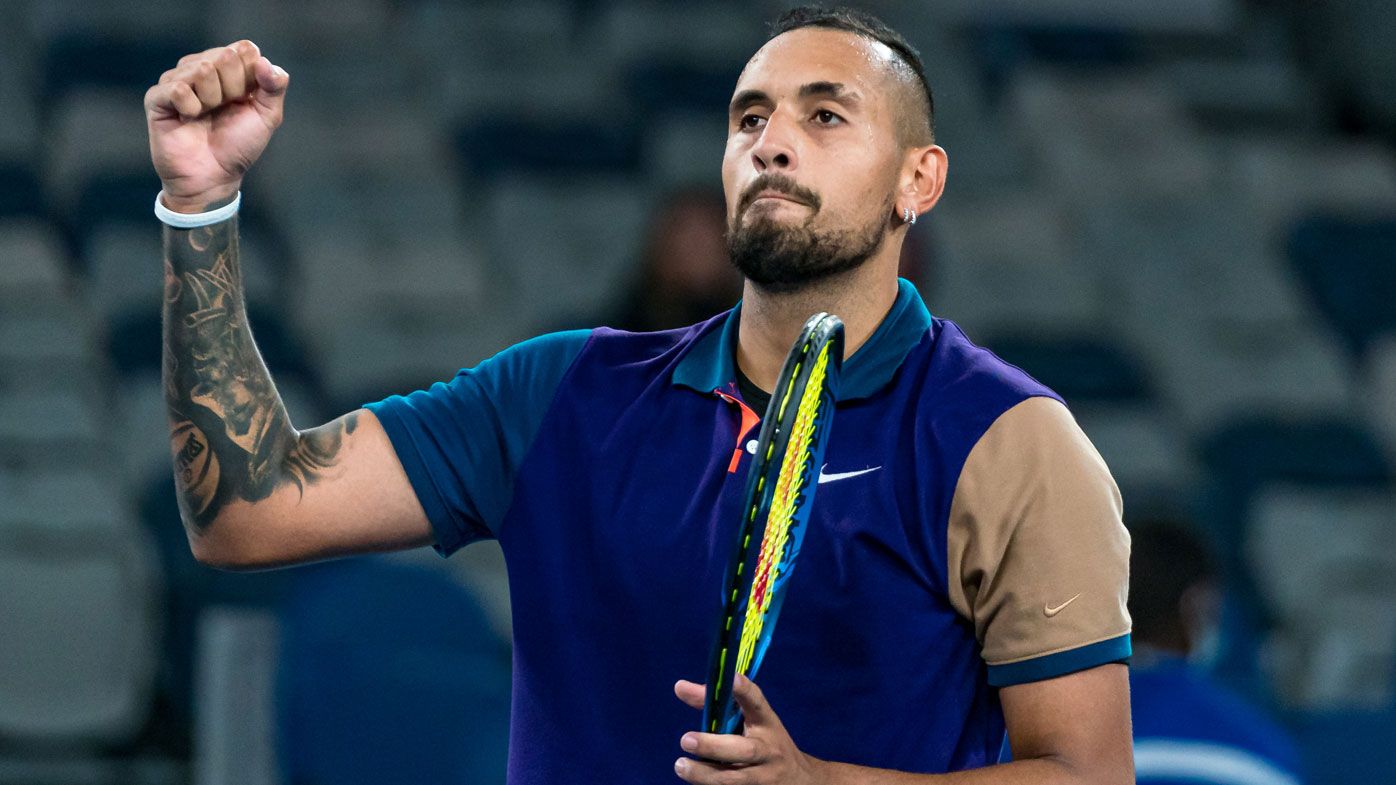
x: 763, y: 753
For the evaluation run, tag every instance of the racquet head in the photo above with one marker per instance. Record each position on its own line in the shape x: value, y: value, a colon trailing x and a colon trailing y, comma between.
x: 779, y: 493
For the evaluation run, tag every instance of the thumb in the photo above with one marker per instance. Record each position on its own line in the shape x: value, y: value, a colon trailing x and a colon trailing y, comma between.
x: 272, y: 81
x: 755, y: 708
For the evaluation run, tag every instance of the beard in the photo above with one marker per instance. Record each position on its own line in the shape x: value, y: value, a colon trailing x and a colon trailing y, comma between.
x: 782, y: 258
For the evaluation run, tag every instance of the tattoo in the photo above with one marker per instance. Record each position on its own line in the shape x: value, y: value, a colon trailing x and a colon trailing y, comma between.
x: 230, y: 437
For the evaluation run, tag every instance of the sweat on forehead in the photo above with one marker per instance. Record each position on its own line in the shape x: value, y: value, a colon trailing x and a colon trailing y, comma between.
x: 846, y: 57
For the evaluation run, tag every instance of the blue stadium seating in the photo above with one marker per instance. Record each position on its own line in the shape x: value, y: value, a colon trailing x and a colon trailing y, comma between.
x: 389, y: 675
x: 104, y: 61
x: 1081, y: 370
x: 1347, y: 264
x: 494, y: 146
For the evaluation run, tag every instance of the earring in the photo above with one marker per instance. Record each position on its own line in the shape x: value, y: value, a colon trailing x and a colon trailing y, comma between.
x: 908, y: 216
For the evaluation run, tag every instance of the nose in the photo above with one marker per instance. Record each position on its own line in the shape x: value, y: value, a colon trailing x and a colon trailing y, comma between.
x: 775, y: 147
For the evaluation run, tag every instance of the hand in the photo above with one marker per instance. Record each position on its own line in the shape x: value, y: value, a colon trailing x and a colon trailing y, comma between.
x: 209, y: 119
x: 763, y: 754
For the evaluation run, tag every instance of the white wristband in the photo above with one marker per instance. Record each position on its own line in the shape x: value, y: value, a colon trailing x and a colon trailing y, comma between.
x: 195, y: 220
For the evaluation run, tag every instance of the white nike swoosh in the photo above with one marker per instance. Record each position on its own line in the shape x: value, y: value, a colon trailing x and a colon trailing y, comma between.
x: 823, y: 477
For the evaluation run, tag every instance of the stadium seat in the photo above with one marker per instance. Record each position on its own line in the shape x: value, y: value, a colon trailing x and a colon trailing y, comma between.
x: 1008, y: 263
x: 1241, y: 457
x: 129, y: 63
x: 1211, y: 373
x: 43, y: 429
x: 1333, y: 646
x: 1379, y: 389
x: 1002, y: 49
x: 82, y: 140
x: 1246, y: 92
x: 1147, y: 454
x: 35, y: 270
x: 685, y: 148
x: 1346, y: 264
x: 631, y: 30
x: 20, y: 192
x: 1082, y: 369
x: 69, y: 552
x: 491, y: 148
x: 48, y: 339
x: 398, y: 655
x: 1283, y: 178
x: 658, y: 86
x: 121, y: 195
x: 583, y: 239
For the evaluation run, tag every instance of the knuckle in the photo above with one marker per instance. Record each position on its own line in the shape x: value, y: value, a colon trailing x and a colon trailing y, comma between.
x: 731, y: 777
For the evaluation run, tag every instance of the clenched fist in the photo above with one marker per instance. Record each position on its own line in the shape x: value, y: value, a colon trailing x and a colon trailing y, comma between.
x: 210, y: 117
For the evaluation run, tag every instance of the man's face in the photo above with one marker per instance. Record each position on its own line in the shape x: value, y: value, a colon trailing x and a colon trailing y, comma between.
x: 810, y: 122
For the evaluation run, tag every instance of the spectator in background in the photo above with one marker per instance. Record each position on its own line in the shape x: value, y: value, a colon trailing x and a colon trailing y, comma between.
x: 685, y: 274
x: 1188, y: 729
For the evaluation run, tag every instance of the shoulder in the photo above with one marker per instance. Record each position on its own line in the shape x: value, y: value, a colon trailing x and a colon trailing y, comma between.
x: 964, y: 389
x: 964, y: 371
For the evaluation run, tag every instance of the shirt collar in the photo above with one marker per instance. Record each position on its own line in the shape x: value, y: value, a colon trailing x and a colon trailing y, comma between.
x: 710, y: 362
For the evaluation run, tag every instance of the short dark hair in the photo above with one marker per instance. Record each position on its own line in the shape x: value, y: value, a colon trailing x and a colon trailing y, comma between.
x: 1167, y: 557
x: 865, y: 24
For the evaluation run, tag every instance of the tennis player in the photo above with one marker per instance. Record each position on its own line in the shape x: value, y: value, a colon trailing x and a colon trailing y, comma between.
x: 964, y: 571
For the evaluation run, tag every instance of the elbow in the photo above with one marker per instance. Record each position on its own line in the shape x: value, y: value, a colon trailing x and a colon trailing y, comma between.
x: 220, y: 554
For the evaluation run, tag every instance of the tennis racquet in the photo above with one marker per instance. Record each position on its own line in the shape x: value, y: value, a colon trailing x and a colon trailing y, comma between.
x: 779, y: 493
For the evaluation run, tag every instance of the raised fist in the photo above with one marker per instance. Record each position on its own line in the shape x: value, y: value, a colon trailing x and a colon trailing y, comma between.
x: 209, y: 118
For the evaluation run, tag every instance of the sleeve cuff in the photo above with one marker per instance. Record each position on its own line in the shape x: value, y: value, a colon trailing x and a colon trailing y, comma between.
x: 447, y: 534
x: 1061, y: 663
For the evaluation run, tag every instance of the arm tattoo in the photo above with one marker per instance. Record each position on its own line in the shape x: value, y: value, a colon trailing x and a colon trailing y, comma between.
x: 230, y: 435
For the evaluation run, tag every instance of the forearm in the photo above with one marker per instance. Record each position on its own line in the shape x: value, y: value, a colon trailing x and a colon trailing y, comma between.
x: 231, y: 437
x: 1035, y: 771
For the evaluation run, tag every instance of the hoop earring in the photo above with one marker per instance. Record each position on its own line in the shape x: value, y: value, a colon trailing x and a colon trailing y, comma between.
x: 908, y: 216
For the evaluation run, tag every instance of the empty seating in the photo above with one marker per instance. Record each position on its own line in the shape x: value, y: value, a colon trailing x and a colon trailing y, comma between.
x: 1347, y: 264
x: 69, y: 551
x: 1323, y: 561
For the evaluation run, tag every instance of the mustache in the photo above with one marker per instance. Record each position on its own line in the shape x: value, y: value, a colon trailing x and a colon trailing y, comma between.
x: 780, y: 184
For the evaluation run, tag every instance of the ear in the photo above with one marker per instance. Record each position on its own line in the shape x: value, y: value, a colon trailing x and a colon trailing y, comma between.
x: 923, y: 179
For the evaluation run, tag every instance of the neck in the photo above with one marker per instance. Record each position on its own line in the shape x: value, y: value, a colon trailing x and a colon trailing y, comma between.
x: 771, y: 321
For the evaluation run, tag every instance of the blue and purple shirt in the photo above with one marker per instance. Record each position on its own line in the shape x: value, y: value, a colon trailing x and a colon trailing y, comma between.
x: 967, y: 537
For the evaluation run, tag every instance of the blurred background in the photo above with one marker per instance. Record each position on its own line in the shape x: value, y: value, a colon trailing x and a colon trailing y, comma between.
x: 1181, y: 216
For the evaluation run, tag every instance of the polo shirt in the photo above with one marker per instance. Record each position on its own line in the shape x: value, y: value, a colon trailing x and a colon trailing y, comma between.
x: 966, y: 536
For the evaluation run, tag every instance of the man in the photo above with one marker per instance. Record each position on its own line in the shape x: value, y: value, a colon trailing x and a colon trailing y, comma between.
x: 1188, y: 729
x: 965, y: 568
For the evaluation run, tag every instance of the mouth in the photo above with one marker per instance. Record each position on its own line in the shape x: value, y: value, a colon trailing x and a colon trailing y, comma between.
x: 776, y: 195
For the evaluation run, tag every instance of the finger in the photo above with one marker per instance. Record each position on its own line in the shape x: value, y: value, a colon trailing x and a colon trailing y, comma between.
x: 270, y: 95
x: 693, y: 694
x: 753, y: 702
x: 235, y: 79
x: 705, y: 773
x: 203, y: 77
x: 723, y: 748
x: 172, y: 99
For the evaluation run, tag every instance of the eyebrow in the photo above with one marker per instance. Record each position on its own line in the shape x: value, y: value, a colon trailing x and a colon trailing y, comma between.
x: 832, y: 90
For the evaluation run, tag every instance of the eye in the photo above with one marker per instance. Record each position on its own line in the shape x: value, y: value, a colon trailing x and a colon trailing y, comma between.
x: 827, y: 117
x: 744, y: 125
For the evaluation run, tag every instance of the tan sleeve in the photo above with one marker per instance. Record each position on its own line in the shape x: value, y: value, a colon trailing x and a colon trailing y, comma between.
x: 1038, y: 555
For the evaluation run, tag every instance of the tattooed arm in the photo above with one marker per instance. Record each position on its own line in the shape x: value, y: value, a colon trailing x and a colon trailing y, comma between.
x: 253, y: 491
